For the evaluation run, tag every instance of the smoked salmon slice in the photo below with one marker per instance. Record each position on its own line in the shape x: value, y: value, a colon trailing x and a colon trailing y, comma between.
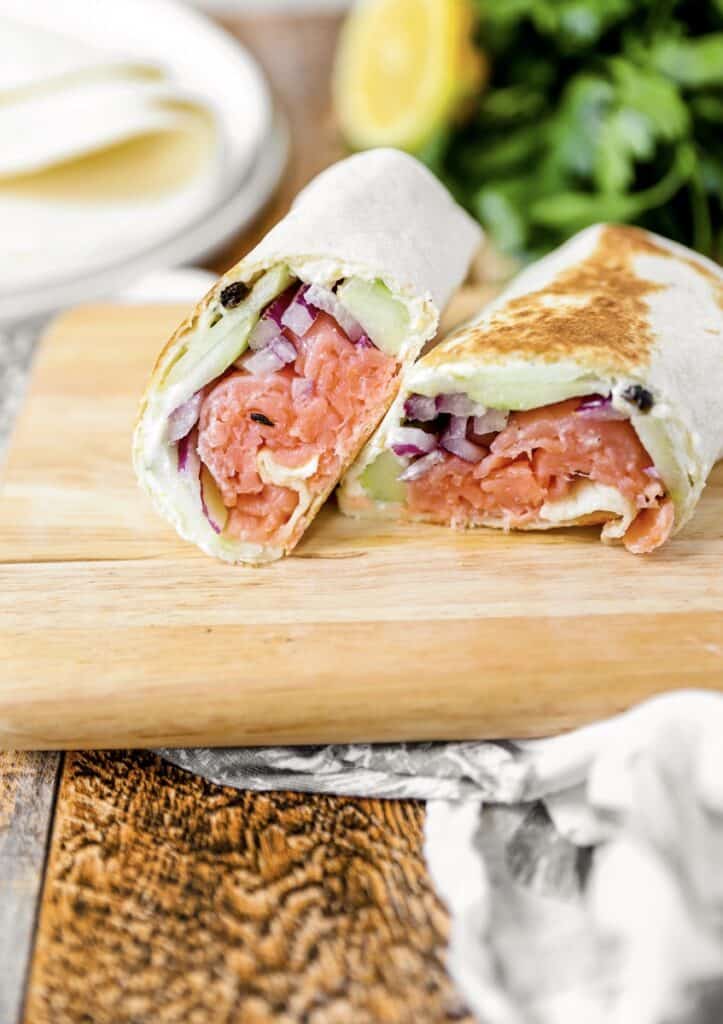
x: 312, y: 412
x: 539, y: 457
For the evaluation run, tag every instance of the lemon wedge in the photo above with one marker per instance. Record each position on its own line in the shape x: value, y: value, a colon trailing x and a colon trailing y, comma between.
x: 403, y: 68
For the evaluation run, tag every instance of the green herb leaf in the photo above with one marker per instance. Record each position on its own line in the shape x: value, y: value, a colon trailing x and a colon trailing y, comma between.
x: 577, y: 210
x: 596, y: 110
x: 499, y: 208
x: 585, y: 104
x: 651, y: 95
x: 690, y: 62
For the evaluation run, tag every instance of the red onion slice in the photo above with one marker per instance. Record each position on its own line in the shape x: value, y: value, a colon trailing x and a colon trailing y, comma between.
x: 464, y: 449
x: 420, y: 408
x: 270, y: 359
x: 262, y: 363
x: 284, y: 349
x: 183, y: 453
x: 213, y: 508
x: 457, y: 428
x: 490, y: 422
x: 364, y: 342
x: 454, y: 440
x: 599, y: 407
x: 214, y: 526
x: 412, y: 441
x: 326, y: 300
x: 183, y: 419
x: 602, y: 413
x: 265, y: 331
x: 189, y: 462
x: 458, y: 405
x: 421, y: 466
x: 297, y: 319
x: 594, y: 401
x: 277, y: 308
x: 300, y: 314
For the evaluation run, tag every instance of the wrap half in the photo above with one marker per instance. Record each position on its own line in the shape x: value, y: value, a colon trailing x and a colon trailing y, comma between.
x: 590, y: 391
x: 266, y: 394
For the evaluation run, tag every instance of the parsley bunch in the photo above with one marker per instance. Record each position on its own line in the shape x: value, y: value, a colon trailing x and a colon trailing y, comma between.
x: 596, y: 110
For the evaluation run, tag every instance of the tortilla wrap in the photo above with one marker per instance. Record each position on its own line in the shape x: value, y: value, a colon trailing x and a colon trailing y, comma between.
x: 379, y: 217
x: 616, y: 312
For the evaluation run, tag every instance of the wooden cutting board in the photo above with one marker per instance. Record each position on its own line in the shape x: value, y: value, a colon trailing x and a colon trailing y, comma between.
x: 113, y: 632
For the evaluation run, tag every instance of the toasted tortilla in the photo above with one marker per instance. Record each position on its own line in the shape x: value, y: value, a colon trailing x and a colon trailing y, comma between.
x: 378, y: 216
x: 615, y: 306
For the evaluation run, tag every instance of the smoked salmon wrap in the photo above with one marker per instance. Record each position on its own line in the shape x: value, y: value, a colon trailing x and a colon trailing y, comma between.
x: 266, y: 394
x: 589, y: 392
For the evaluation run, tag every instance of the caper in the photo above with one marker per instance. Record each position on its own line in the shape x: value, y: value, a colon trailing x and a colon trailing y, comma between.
x: 233, y: 294
x: 636, y: 394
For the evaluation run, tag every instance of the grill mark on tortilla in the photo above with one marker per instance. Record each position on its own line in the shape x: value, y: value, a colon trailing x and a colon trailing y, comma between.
x: 606, y: 316
x: 715, y: 277
x: 710, y: 275
x: 717, y: 285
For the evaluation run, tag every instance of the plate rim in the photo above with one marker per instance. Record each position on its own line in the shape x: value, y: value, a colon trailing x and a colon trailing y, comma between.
x: 202, y: 236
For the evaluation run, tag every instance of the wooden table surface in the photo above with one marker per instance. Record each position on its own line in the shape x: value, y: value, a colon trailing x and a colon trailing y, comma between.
x: 131, y: 891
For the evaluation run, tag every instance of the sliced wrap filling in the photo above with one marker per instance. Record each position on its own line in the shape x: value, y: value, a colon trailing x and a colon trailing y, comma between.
x: 278, y: 425
x: 573, y: 462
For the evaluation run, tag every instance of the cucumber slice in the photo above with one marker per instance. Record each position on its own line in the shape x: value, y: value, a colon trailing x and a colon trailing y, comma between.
x: 216, y: 347
x: 380, y: 481
x: 240, y: 321
x: 383, y: 318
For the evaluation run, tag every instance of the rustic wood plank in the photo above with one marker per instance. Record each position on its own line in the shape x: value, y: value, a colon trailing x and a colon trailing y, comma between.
x: 169, y: 899
x: 281, y: 685
x: 27, y: 784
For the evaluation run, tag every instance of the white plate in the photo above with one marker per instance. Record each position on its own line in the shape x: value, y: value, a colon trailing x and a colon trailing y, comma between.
x: 204, y: 60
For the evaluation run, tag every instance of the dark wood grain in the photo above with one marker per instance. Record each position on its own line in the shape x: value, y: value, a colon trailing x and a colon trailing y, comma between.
x: 169, y: 899
x: 27, y: 783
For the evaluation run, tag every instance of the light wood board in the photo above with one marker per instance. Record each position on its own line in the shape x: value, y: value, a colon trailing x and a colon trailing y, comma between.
x: 113, y: 632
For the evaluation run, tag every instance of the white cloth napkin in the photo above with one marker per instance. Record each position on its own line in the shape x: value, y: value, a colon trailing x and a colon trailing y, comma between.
x: 618, y: 917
